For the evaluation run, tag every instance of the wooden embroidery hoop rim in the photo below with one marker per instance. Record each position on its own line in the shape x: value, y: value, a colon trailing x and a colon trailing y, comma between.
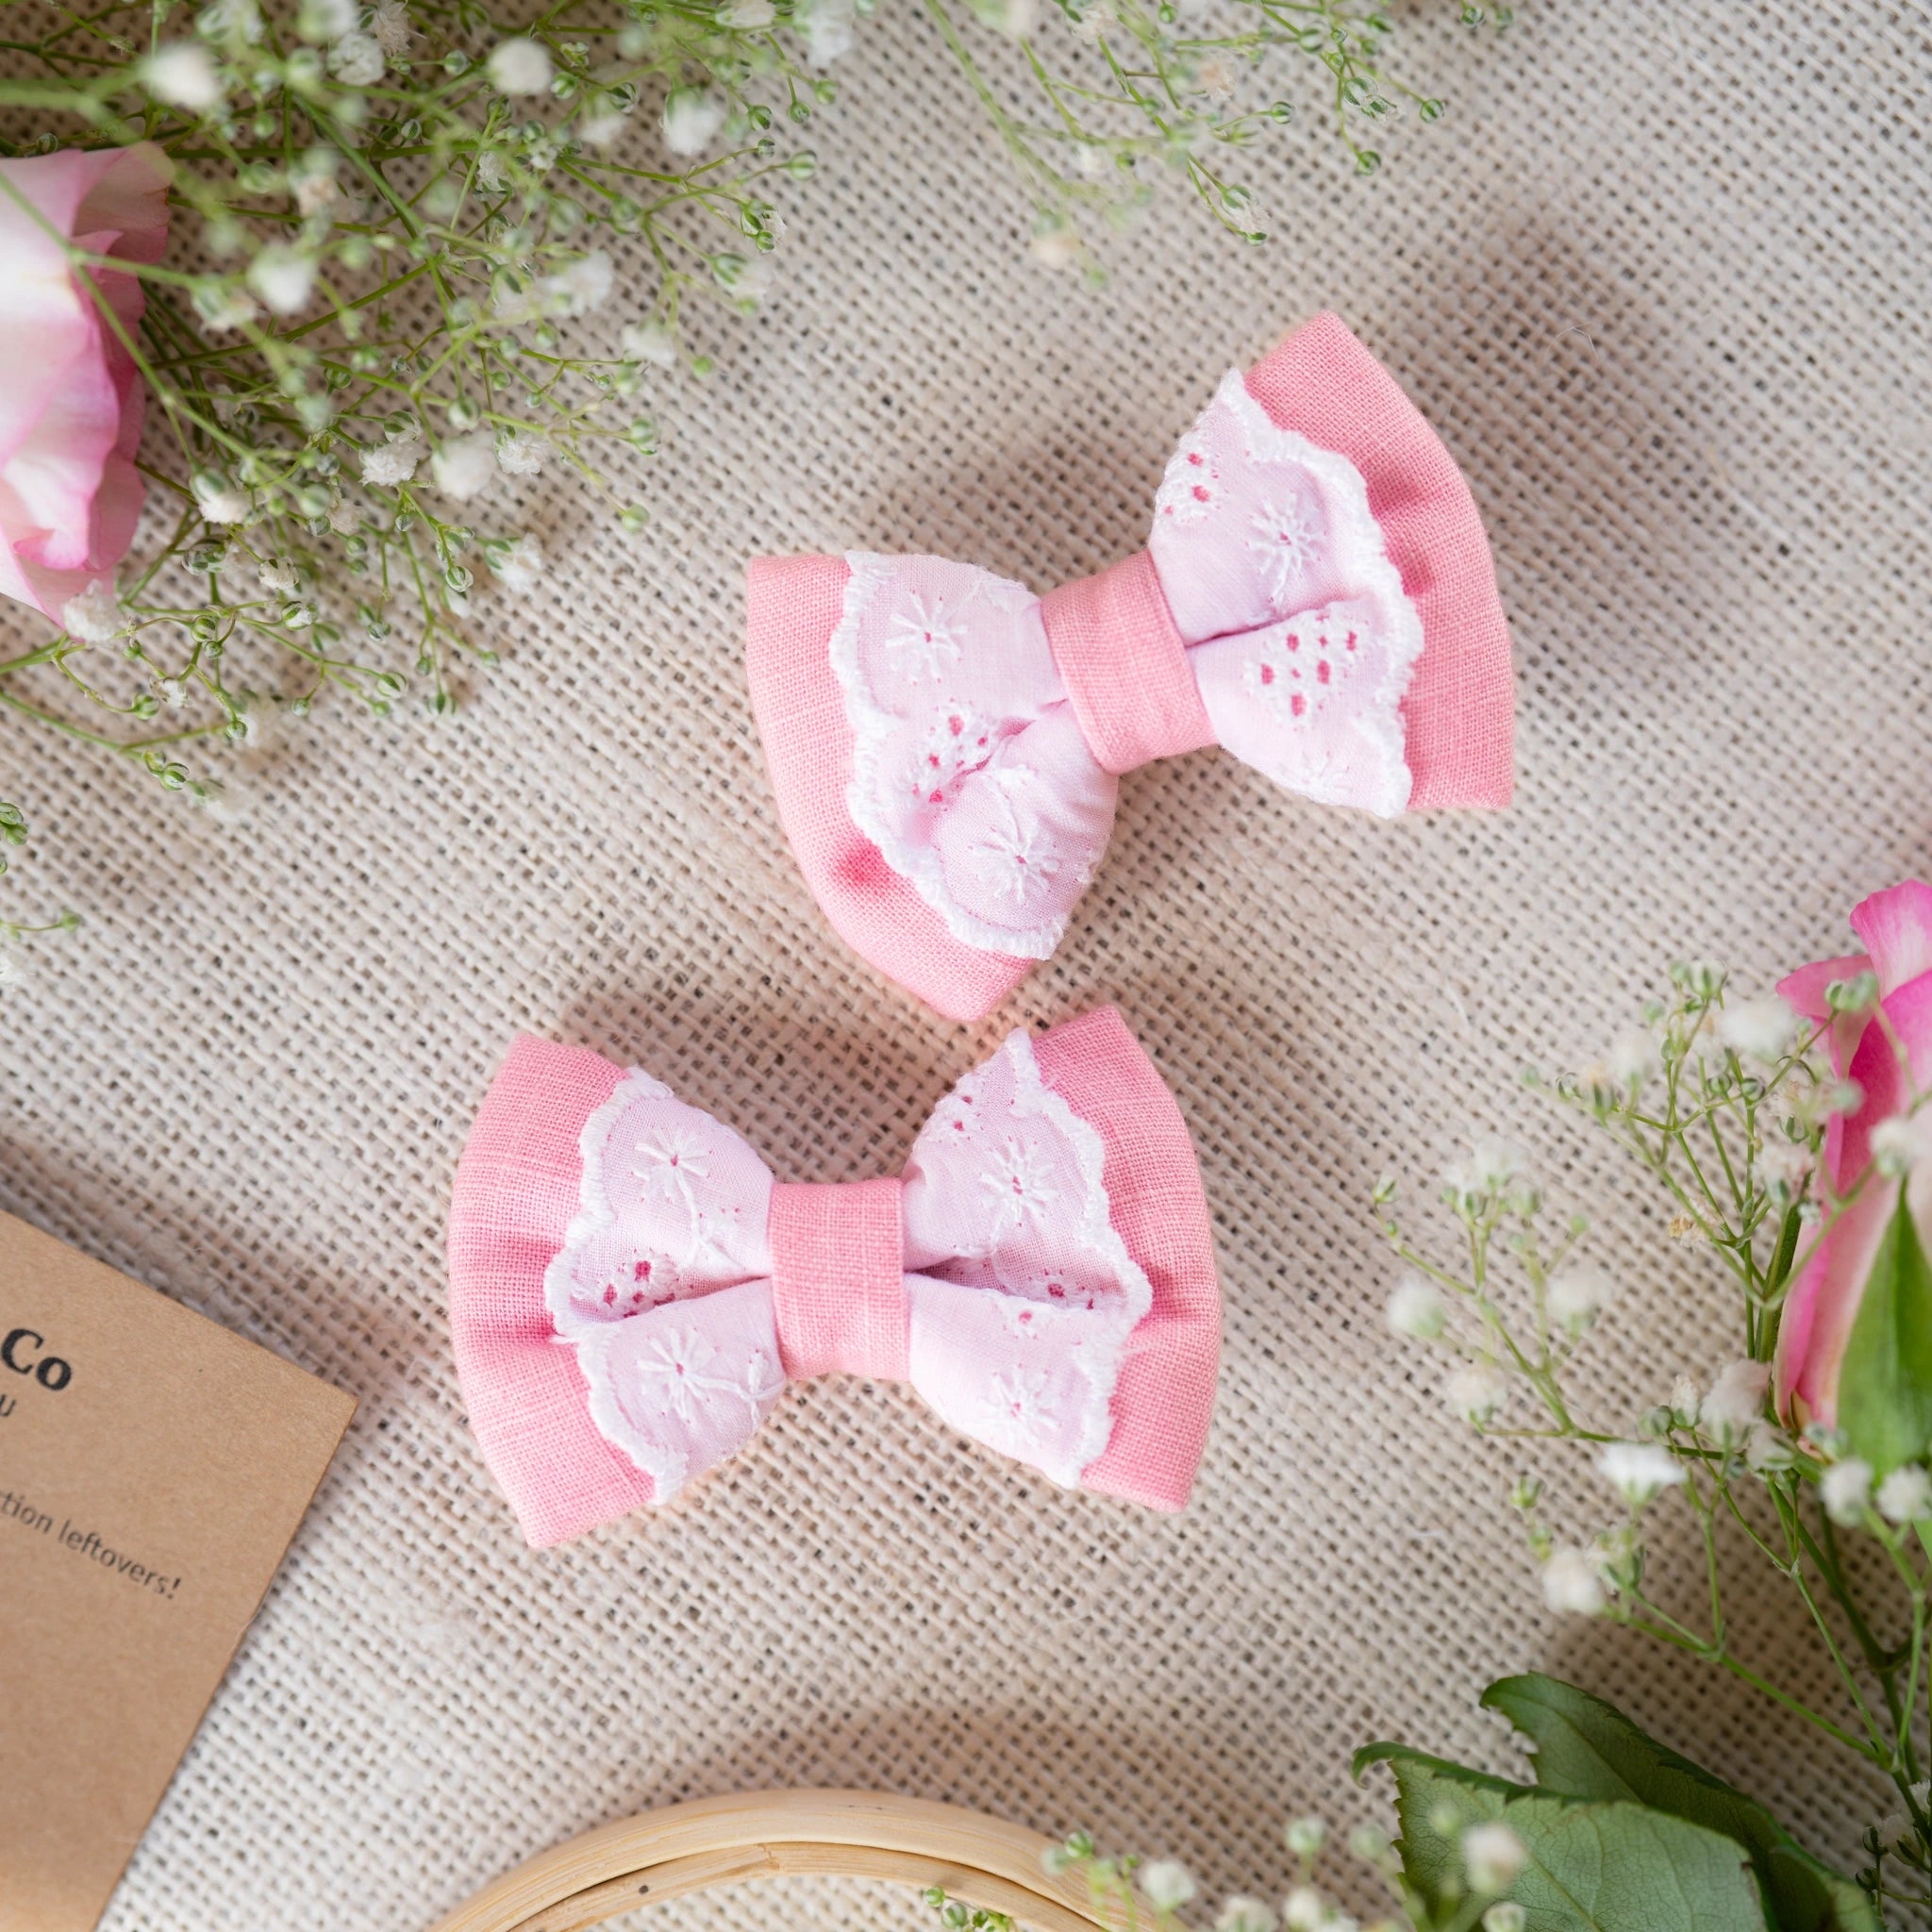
x: 709, y: 1841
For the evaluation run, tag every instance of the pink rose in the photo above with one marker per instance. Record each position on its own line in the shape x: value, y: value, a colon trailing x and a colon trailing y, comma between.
x: 1869, y: 1376
x: 70, y: 399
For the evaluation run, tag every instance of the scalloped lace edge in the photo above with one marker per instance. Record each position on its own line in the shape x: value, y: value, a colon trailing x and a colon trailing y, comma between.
x: 1032, y: 1095
x: 872, y: 724
x: 1361, y: 555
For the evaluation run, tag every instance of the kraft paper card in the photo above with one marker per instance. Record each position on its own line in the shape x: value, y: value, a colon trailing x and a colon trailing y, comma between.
x: 153, y: 1469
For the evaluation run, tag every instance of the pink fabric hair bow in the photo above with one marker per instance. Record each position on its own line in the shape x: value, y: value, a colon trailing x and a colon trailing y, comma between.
x: 1317, y: 596
x: 630, y: 1291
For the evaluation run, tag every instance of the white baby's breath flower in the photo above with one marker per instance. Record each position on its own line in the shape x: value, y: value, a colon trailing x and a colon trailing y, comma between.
x: 582, y: 285
x: 357, y: 60
x: 1578, y: 1295
x: 345, y: 518
x: 279, y: 576
x: 12, y: 973
x: 1243, y: 1914
x: 519, y: 566
x: 393, y: 461
x: 1845, y: 1490
x: 648, y: 342
x: 1093, y: 21
x: 1493, y: 1164
x: 1055, y: 248
x: 1416, y: 1309
x: 490, y: 174
x: 1506, y: 1915
x: 753, y: 282
x: 220, y: 501
x: 466, y: 465
x: 1492, y: 1854
x: 1634, y: 1060
x: 1306, y: 1909
x: 1906, y: 1495
x: 523, y: 455
x: 184, y: 74
x: 1475, y: 1392
x: 1760, y: 1029
x: 390, y: 26
x: 95, y: 615
x: 1736, y: 1399
x: 283, y: 276
x: 1574, y: 1582
x: 1898, y: 1827
x: 1766, y: 1448
x: 601, y: 131
x: 1784, y: 1162
x: 1639, y: 1471
x: 1168, y: 1883
x: 827, y: 30
x: 1895, y: 1144
x: 520, y: 67
x: 1685, y: 1402
x: 1305, y: 1836
x: 1215, y: 77
x: 691, y: 120
x: 222, y: 306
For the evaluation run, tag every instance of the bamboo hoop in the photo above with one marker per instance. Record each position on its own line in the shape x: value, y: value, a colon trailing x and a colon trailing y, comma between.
x: 683, y: 1848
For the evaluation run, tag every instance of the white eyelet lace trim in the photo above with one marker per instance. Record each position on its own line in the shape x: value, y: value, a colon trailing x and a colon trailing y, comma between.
x: 1047, y: 1399
x: 930, y: 634
x: 1362, y: 558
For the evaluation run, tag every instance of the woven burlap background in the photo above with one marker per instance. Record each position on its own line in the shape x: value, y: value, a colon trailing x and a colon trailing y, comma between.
x: 1661, y: 281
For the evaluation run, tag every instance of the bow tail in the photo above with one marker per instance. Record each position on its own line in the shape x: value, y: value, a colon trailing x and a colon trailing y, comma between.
x: 681, y: 1387
x: 1320, y: 382
x: 1031, y: 1380
x: 794, y: 605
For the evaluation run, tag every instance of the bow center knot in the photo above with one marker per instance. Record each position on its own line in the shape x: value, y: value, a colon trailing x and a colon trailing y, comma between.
x: 1125, y: 666
x: 838, y: 1279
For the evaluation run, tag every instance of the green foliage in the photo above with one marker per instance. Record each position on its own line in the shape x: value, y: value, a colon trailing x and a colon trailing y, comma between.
x: 1885, y: 1380
x: 398, y: 233
x: 1620, y: 1833
x: 1587, y: 1749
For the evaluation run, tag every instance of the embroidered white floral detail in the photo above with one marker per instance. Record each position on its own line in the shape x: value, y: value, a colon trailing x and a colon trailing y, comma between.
x: 1023, y: 1294
x: 1021, y: 1406
x: 1284, y: 539
x: 956, y: 742
x: 677, y: 1368
x: 1287, y: 546
x: 1019, y: 1184
x: 1189, y: 484
x: 960, y: 726
x: 926, y: 639
x: 681, y: 1365
x: 1021, y: 855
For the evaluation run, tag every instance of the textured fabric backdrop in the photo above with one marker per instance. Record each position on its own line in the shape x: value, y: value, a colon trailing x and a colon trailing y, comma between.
x: 1661, y: 284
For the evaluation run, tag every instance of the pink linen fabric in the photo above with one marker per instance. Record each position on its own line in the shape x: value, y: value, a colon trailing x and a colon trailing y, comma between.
x: 1317, y: 597
x: 629, y: 1289
x: 71, y: 408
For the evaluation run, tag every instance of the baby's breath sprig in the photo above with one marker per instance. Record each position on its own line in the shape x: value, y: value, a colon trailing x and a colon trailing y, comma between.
x: 391, y: 223
x: 1729, y: 1104
x: 1173, y: 86
x: 402, y: 210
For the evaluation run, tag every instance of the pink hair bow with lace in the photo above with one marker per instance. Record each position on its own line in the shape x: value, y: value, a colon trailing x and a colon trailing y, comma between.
x: 630, y: 1291
x: 1317, y: 596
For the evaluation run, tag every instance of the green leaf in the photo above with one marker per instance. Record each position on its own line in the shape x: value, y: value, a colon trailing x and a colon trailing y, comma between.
x: 1884, y: 1381
x: 1615, y: 1867
x: 1585, y: 1748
